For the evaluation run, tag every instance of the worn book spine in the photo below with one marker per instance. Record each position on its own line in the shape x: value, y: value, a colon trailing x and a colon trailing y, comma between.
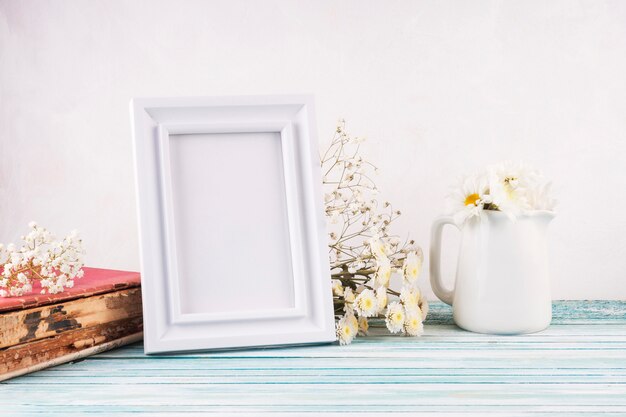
x: 36, y: 338
x: 24, y: 326
x: 68, y: 346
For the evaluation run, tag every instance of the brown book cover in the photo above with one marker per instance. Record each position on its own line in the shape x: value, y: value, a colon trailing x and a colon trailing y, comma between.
x: 101, y: 312
x: 23, y: 326
x: 67, y: 347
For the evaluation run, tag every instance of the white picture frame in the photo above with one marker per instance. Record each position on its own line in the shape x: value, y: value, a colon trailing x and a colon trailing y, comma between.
x: 232, y: 230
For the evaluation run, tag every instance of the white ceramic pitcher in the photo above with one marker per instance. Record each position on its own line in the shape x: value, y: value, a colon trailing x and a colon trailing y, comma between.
x: 502, y: 280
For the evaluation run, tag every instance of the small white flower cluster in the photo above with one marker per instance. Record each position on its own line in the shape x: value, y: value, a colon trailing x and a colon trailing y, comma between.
x: 364, y: 256
x: 54, y: 264
x: 512, y: 188
x: 403, y: 316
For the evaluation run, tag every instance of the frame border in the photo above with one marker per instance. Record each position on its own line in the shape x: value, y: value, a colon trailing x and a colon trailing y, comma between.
x: 311, y: 320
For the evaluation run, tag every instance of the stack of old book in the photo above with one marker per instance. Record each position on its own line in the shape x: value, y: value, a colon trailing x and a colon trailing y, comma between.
x: 102, y: 311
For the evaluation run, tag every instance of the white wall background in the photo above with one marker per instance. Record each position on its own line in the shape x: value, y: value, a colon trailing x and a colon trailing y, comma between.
x: 438, y: 87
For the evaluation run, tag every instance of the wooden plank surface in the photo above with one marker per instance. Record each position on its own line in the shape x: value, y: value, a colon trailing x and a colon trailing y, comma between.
x: 576, y: 367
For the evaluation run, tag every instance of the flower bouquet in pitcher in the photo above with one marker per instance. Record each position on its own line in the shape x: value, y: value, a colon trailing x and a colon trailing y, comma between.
x: 502, y: 281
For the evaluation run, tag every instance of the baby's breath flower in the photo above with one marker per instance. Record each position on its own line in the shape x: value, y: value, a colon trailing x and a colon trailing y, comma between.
x: 363, y: 252
x: 55, y: 264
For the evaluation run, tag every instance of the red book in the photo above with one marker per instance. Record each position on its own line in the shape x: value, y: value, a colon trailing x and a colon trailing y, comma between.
x: 95, y: 281
x: 102, y: 311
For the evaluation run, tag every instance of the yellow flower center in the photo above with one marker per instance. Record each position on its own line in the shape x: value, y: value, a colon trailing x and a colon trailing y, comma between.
x: 398, y: 316
x: 367, y: 303
x: 471, y: 199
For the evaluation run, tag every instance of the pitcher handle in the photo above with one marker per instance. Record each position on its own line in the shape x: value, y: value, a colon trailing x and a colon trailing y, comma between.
x: 439, y: 289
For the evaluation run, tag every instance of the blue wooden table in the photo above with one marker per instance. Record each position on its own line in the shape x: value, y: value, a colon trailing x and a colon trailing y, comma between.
x: 576, y: 367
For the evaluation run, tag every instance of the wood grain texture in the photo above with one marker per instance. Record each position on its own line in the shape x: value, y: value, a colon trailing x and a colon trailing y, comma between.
x: 87, y: 349
x: 23, y: 326
x: 21, y: 358
x: 575, y: 367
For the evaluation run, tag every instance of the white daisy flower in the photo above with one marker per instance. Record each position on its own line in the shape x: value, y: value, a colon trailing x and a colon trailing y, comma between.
x: 540, y: 198
x: 378, y: 248
x: 468, y: 199
x: 363, y: 326
x: 395, y: 317
x: 348, y: 295
x: 424, y: 307
x: 383, y: 272
x: 352, y: 322
x: 410, y: 297
x: 366, y: 304
x: 412, y: 267
x: 337, y: 288
x: 346, y: 330
x: 509, y: 184
x: 413, y: 323
x: 512, y: 188
x: 517, y: 175
x: 381, y: 297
